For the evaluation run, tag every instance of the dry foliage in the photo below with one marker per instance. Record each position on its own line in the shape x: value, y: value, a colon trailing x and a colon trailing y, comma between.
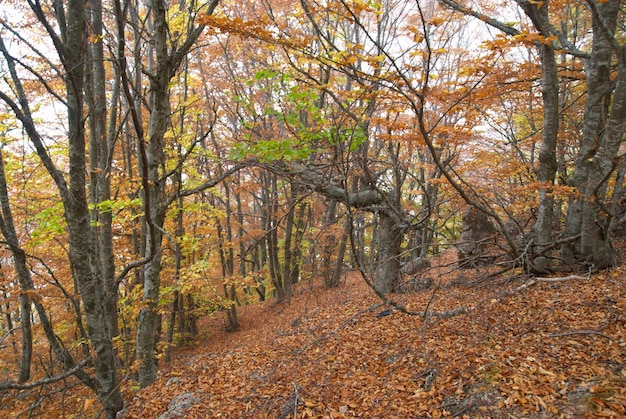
x: 550, y: 349
x: 555, y: 349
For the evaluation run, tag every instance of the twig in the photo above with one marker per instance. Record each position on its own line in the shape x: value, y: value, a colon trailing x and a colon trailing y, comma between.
x: 291, y: 405
x: 432, y: 297
x: 560, y: 279
x: 542, y: 279
x: 336, y: 329
x: 522, y: 287
x: 6, y: 335
x: 580, y: 332
x: 12, y: 385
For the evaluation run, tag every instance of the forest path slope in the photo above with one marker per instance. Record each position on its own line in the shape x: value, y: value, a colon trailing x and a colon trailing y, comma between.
x: 554, y: 349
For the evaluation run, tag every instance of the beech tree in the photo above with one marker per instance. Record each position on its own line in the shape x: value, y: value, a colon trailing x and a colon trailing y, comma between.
x: 596, y: 176
x: 87, y: 203
x: 70, y: 45
x: 352, y: 64
x: 592, y: 211
x: 166, y: 47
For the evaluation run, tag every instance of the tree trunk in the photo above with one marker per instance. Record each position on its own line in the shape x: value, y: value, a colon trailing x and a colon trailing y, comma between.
x: 270, y: 196
x: 83, y: 259
x: 601, y: 138
x: 329, y: 244
x: 152, y: 162
x: 341, y: 251
x: 287, y: 253
x: 298, y: 237
x: 227, y: 261
x: 149, y: 323
x: 547, y: 169
x: 23, y: 276
x: 101, y: 140
x: 387, y: 272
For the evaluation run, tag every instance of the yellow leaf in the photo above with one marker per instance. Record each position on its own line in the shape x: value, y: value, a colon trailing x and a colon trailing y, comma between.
x: 351, y: 59
x: 88, y: 403
x: 436, y: 21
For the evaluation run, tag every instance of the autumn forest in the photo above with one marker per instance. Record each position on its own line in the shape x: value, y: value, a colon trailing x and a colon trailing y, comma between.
x: 164, y: 164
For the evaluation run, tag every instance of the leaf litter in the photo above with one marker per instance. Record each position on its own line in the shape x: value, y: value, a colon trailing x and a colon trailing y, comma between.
x: 553, y: 349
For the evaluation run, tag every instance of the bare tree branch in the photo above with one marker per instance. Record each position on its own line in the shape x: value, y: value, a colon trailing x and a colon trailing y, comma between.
x: 12, y: 385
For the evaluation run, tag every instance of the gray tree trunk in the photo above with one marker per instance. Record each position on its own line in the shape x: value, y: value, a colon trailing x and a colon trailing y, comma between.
x: 341, y: 252
x: 24, y: 279
x: 388, y: 263
x: 164, y: 64
x: 602, y: 135
x: 546, y: 172
x: 71, y: 48
x: 81, y: 236
x: 329, y: 245
x: 101, y: 141
x: 152, y: 162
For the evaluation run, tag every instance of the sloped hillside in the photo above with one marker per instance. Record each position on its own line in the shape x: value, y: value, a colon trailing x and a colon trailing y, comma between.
x: 548, y: 349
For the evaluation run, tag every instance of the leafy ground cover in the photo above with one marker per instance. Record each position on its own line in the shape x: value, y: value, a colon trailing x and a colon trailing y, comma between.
x: 551, y: 349
x: 498, y: 348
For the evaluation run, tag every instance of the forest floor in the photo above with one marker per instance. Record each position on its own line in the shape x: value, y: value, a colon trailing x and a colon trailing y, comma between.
x: 540, y: 350
x: 496, y: 348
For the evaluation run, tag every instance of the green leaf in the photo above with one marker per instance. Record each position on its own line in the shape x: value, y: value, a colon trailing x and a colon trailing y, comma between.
x: 265, y: 74
x: 49, y: 223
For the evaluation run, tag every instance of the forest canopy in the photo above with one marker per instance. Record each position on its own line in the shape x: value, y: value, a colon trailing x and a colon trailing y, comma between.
x: 164, y: 160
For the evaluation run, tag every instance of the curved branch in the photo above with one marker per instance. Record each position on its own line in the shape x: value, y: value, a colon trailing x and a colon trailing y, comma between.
x: 12, y: 385
x: 567, y: 46
x: 23, y: 113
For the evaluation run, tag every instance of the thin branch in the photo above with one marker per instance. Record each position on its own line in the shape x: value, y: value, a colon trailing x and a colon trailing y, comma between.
x: 208, y: 184
x: 580, y: 332
x: 133, y: 265
x: 503, y: 27
x: 7, y: 334
x: 31, y: 69
x: 12, y: 385
x: 561, y: 279
x: 566, y: 45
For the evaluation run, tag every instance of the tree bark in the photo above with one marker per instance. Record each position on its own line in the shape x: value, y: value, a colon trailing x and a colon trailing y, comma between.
x: 388, y: 255
x: 81, y: 236
x: 24, y: 279
x: 546, y: 172
x: 163, y: 66
x: 101, y: 141
x: 152, y: 161
x: 71, y: 48
x: 602, y: 135
x: 329, y: 244
x: 341, y: 252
